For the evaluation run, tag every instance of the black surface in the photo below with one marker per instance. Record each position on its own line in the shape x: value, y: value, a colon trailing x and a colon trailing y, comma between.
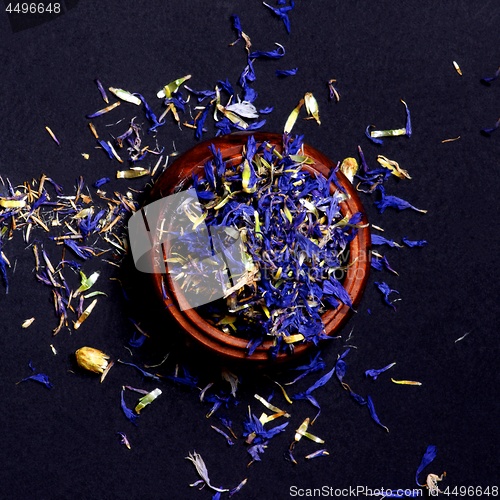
x: 62, y: 443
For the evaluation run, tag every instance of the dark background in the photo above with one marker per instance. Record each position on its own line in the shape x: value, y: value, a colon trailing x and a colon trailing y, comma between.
x: 62, y: 443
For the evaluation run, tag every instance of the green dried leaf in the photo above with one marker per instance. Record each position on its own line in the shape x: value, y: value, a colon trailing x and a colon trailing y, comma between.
x: 172, y: 87
x: 147, y: 399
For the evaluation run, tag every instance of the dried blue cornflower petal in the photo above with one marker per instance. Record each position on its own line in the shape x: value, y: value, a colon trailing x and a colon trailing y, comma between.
x: 237, y: 27
x: 408, y: 120
x: 103, y: 111
x: 201, y: 94
x: 255, y: 432
x: 286, y: 72
x: 316, y: 364
x: 102, y: 91
x: 429, y: 456
x: 256, y: 450
x: 341, y: 366
x: 282, y: 12
x: 380, y: 263
x: 201, y: 121
x: 375, y: 373
x: 3, y: 269
x: 380, y: 240
x: 413, y: 243
x: 388, y: 201
x: 41, y: 378
x: 386, y: 290
x: 487, y: 80
x: 133, y: 417
x: 124, y: 439
x: 150, y: 115
x: 334, y: 287
x: 88, y: 225
x: 229, y: 441
x: 271, y: 54
x: 316, y: 454
x: 84, y: 252
x: 100, y: 182
x: 144, y: 372
x: 107, y: 148
x: 373, y: 139
x: 267, y: 110
x: 319, y: 383
x: 252, y: 126
x: 364, y: 168
x: 137, y: 340
x: 223, y: 127
x: 187, y: 379
x: 373, y: 414
x: 238, y: 488
x: 488, y: 131
x: 226, y: 86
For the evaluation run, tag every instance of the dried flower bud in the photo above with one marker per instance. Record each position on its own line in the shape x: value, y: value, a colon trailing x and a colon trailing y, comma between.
x: 92, y: 359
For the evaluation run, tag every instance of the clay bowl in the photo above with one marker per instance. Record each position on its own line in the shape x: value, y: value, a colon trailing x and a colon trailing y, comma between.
x: 231, y: 348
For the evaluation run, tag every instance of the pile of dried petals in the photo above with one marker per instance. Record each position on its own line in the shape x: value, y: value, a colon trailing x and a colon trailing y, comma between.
x: 294, y: 244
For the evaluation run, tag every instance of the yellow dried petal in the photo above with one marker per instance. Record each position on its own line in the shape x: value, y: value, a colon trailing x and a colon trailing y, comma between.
x: 27, y: 322
x: 312, y: 106
x: 290, y: 122
x: 349, y: 168
x: 290, y: 339
x: 132, y: 173
x: 406, y: 382
x: 4, y: 203
x: 394, y: 167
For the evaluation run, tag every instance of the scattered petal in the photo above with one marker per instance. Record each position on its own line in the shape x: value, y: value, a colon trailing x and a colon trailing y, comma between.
x: 147, y: 399
x: 124, y: 440
x: 375, y: 373
x: 373, y: 414
x: 28, y: 322
x: 125, y: 95
x: 406, y: 382
x: 202, y: 471
x: 429, y: 456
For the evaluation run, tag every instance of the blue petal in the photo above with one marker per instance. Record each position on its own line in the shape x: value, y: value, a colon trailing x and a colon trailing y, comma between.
x: 429, y: 456
x: 375, y: 373
x: 386, y: 290
x: 373, y: 139
x: 133, y: 417
x: 373, y: 414
x: 414, y: 243
x: 41, y: 378
x: 286, y: 72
